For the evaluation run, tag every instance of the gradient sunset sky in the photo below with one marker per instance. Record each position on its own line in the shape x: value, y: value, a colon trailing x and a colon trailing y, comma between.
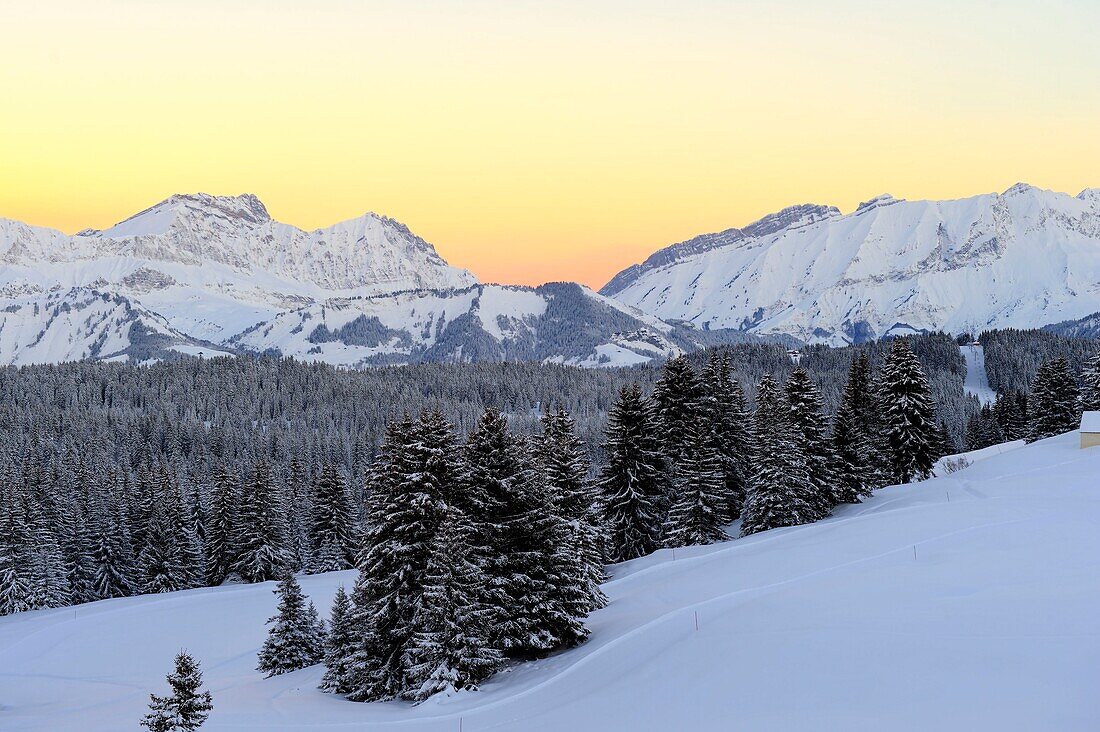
x: 540, y: 141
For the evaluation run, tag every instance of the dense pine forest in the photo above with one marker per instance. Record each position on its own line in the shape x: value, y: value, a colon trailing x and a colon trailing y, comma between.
x: 479, y: 502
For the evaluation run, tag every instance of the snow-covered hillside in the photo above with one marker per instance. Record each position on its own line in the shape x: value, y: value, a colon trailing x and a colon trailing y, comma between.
x: 968, y: 602
x: 560, y: 322
x: 213, y: 266
x: 1024, y: 258
x: 82, y: 323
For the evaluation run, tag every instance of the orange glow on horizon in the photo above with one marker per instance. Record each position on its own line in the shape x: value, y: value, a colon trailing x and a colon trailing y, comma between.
x: 534, y: 142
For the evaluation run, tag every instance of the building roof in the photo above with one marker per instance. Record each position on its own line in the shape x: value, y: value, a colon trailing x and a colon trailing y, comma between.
x: 1090, y: 422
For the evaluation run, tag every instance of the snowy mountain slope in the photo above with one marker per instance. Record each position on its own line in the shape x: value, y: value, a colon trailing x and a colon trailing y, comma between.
x: 213, y: 266
x: 967, y: 602
x: 977, y: 380
x: 561, y: 322
x: 82, y: 323
x: 1086, y: 327
x: 1023, y: 258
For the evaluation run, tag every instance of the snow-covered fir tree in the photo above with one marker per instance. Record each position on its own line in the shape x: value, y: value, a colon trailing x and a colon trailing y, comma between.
x: 1011, y: 413
x: 983, y: 429
x: 853, y: 475
x: 187, y: 706
x: 781, y: 480
x: 16, y: 556
x: 413, y: 484
x: 564, y: 469
x: 340, y: 644
x: 698, y: 509
x: 297, y: 636
x: 808, y: 426
x: 161, y: 567
x: 908, y: 415
x: 861, y: 397
x: 1090, y: 385
x: 261, y: 553
x: 222, y: 550
x: 677, y: 406
x: 451, y: 648
x: 727, y: 423
x: 112, y: 566
x: 1053, y: 406
x: 520, y: 527
x: 631, y: 481
x: 333, y: 535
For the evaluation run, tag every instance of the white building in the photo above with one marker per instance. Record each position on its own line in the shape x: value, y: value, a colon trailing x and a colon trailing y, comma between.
x: 1090, y: 429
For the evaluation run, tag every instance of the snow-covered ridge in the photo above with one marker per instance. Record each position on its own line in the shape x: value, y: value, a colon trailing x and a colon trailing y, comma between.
x: 370, y: 253
x: 1023, y: 258
x: 213, y: 266
x: 82, y: 323
x: 557, y: 322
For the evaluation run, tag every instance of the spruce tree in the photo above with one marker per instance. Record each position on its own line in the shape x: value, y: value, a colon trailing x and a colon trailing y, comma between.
x: 413, y: 484
x: 15, y: 586
x: 187, y: 707
x: 781, y: 479
x: 340, y: 644
x: 909, y: 417
x: 631, y: 482
x: 1090, y: 385
x: 697, y: 512
x: 161, y: 569
x: 261, y: 554
x: 451, y: 648
x: 111, y: 568
x: 727, y: 422
x: 222, y: 528
x: 807, y: 420
x: 296, y: 639
x: 333, y: 540
x: 677, y: 398
x: 520, y: 528
x: 851, y: 469
x: 565, y: 474
x: 862, y: 396
x: 1053, y: 404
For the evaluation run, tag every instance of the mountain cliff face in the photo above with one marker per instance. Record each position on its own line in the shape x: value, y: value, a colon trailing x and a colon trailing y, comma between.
x: 1023, y: 258
x: 213, y: 266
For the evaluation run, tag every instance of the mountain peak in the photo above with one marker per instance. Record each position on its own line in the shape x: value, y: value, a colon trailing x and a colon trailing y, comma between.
x: 158, y: 219
x: 884, y: 199
x: 788, y: 218
x: 1020, y: 187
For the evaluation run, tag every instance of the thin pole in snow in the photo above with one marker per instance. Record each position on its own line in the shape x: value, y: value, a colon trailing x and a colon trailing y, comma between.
x: 914, y: 551
x: 697, y: 620
x: 460, y: 724
x: 674, y: 554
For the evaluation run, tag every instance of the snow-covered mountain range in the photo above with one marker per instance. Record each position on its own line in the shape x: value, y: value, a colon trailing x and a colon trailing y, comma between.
x: 201, y: 273
x: 1023, y: 258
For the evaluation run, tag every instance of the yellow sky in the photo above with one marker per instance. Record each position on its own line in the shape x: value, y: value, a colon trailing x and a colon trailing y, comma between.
x: 539, y: 141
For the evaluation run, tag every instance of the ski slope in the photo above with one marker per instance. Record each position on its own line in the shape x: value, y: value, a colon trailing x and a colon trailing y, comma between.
x: 977, y: 381
x: 968, y: 602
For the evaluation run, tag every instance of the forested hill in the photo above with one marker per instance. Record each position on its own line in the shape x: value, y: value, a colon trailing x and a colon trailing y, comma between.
x: 196, y: 412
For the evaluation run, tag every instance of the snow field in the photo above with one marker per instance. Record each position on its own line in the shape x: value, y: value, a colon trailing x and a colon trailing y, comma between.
x: 967, y: 602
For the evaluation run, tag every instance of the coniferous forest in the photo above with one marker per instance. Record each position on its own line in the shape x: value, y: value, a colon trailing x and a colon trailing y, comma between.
x: 479, y: 503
